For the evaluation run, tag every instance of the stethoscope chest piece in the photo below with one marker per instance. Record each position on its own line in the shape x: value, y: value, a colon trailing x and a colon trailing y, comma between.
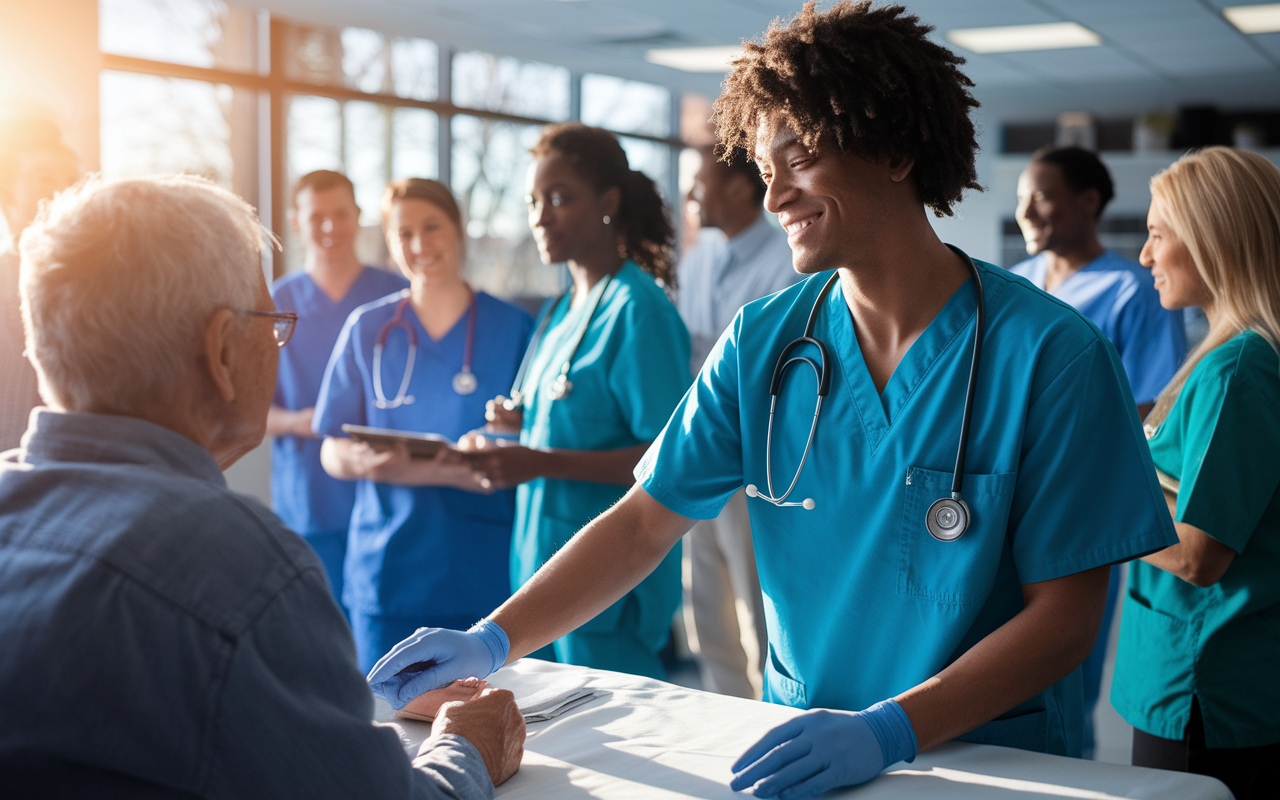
x: 947, y: 519
x: 464, y: 382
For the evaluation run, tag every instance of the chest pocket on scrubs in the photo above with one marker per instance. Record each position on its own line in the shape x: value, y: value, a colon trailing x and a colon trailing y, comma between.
x: 961, y: 571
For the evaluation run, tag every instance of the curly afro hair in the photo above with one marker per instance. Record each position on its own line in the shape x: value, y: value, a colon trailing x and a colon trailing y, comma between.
x: 867, y: 78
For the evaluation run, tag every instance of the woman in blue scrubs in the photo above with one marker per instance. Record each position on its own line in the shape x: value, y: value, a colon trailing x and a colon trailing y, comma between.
x: 1200, y: 635
x: 895, y: 633
x: 428, y: 544
x: 603, y: 378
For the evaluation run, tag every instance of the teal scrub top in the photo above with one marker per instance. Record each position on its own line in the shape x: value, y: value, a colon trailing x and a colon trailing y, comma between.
x: 628, y: 374
x: 1220, y: 643
x: 861, y: 603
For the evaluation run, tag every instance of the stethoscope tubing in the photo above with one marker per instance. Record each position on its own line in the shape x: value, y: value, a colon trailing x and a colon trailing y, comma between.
x: 517, y: 387
x: 824, y: 376
x: 411, y: 337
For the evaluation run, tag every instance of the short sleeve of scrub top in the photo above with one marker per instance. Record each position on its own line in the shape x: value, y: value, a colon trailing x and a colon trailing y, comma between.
x: 861, y: 602
x: 1222, y: 442
x: 342, y: 392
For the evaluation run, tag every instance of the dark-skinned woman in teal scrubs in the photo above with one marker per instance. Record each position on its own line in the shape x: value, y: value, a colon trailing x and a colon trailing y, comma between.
x: 1200, y: 636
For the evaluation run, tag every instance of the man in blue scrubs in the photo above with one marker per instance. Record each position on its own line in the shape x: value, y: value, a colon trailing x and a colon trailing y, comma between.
x: 898, y: 640
x: 334, y: 283
x: 1061, y: 195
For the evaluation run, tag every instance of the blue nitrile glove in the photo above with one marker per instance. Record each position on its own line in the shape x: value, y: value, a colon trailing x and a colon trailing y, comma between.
x: 435, y: 657
x: 823, y: 749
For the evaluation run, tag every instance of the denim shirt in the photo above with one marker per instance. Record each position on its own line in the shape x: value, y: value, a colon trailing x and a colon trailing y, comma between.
x: 164, y: 637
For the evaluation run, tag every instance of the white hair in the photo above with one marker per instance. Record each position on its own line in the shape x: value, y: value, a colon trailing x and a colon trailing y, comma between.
x: 119, y: 279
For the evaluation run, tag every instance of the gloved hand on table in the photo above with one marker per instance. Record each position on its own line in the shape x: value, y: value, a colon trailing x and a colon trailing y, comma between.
x: 435, y: 657
x: 823, y: 749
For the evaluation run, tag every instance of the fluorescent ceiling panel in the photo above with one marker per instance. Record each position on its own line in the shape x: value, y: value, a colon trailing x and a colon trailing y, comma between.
x: 695, y: 59
x: 1255, y: 19
x: 1015, y: 38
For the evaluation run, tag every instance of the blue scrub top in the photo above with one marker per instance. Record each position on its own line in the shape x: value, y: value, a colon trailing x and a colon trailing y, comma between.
x: 628, y: 375
x: 861, y: 603
x: 1120, y: 298
x: 302, y: 493
x: 424, y: 549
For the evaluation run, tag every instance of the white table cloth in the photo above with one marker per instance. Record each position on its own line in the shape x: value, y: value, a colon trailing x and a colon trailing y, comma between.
x: 647, y: 739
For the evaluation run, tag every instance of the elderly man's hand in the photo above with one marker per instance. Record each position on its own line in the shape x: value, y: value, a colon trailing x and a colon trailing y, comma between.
x: 492, y: 723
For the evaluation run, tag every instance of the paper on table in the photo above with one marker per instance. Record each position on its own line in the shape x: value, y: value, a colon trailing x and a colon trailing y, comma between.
x: 539, y: 696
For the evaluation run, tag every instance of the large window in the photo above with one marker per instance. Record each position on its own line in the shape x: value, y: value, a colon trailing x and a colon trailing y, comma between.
x: 255, y: 102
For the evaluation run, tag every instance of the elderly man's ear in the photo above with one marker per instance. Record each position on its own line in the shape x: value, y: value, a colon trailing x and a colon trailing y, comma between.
x: 221, y: 348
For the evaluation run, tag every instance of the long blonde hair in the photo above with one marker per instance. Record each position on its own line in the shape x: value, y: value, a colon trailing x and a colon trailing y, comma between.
x: 1224, y: 204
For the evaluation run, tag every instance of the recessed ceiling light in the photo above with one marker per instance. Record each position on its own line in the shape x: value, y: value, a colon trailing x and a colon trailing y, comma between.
x: 1012, y: 38
x: 1255, y: 19
x: 694, y: 59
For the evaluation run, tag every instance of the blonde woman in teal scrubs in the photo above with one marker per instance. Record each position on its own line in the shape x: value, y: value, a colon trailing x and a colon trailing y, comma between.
x: 1196, y: 674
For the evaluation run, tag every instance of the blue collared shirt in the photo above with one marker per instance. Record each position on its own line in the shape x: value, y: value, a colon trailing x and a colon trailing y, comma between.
x: 718, y: 276
x: 166, y: 637
x: 1118, y: 296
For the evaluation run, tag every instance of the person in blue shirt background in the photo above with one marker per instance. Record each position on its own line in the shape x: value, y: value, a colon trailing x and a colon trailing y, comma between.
x: 426, y: 545
x: 894, y: 637
x: 334, y: 283
x: 617, y: 347
x: 1061, y: 196
x: 744, y: 259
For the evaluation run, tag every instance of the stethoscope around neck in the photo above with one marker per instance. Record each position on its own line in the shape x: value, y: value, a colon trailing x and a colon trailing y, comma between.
x: 560, y: 386
x: 948, y: 517
x: 464, y: 382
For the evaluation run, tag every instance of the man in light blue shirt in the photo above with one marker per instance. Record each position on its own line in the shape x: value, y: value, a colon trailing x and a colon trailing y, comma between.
x: 164, y: 637
x: 741, y: 255
x: 1061, y: 195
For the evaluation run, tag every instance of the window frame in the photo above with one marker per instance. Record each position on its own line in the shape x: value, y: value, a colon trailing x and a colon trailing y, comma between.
x: 273, y: 88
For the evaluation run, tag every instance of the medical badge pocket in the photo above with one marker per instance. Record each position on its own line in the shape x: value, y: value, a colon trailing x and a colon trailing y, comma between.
x: 952, y: 569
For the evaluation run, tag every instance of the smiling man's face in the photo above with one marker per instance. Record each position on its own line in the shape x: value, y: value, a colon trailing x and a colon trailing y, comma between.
x: 830, y: 203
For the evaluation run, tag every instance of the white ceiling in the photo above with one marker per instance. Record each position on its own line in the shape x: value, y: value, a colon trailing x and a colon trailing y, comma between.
x: 1154, y: 51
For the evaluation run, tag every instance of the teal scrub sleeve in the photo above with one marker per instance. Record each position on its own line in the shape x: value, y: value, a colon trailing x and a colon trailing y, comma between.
x: 1230, y: 466
x: 695, y: 464
x: 650, y: 370
x: 341, y: 398
x: 1086, y: 493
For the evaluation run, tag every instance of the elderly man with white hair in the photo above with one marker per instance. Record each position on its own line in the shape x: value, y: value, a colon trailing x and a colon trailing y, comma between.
x: 164, y: 637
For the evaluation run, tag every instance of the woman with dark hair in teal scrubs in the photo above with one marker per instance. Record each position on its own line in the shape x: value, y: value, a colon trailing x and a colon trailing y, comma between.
x: 603, y: 376
x: 1196, y: 671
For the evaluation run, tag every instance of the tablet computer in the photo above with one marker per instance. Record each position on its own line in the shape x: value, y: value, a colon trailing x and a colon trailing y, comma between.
x: 421, y: 445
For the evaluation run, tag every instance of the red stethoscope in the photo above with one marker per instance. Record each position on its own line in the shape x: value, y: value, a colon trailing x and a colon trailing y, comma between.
x: 464, y: 382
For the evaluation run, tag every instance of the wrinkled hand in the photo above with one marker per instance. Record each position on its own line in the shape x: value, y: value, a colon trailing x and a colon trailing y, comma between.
x: 427, y: 705
x: 435, y: 657
x: 824, y: 749
x: 501, y: 418
x: 501, y: 462
x: 492, y: 723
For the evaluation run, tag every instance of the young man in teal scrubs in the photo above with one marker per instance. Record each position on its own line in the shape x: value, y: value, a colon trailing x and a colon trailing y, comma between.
x: 898, y: 640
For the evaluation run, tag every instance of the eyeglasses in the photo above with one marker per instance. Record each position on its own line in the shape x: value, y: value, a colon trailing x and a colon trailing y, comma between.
x: 282, y: 323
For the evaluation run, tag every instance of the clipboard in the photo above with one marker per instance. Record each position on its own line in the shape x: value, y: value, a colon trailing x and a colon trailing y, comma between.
x: 421, y: 445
